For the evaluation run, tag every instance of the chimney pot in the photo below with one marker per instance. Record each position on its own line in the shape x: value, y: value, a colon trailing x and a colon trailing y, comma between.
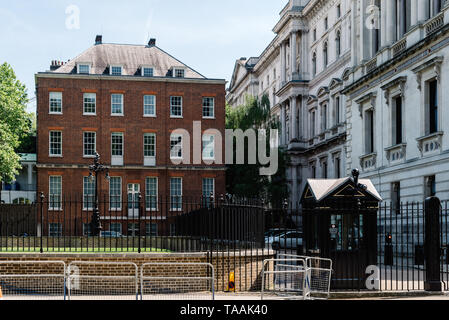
x: 99, y: 39
x: 152, y: 42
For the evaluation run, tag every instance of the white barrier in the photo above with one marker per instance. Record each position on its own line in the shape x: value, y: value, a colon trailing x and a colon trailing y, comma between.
x: 177, y: 281
x: 33, y: 280
x: 88, y: 280
x: 297, y: 277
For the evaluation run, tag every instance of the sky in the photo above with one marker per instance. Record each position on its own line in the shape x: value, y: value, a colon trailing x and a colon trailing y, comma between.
x: 207, y: 35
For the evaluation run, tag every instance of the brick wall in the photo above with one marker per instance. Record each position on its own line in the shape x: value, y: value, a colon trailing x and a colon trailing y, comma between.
x: 247, y: 265
x: 72, y: 166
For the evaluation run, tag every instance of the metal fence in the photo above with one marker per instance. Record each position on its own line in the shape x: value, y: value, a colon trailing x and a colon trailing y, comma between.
x: 236, y: 236
x: 296, y: 277
x: 88, y: 280
x: 177, y: 281
x: 33, y: 280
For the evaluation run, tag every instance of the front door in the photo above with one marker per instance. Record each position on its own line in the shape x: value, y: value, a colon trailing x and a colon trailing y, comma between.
x: 133, y: 200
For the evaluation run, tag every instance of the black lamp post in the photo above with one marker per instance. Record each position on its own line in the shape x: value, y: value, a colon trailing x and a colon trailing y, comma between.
x: 95, y: 169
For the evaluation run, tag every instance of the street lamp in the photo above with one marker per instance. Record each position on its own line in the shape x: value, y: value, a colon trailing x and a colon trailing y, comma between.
x: 95, y: 169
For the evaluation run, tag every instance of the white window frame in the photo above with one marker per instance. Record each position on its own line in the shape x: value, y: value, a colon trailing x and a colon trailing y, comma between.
x: 54, y: 96
x: 149, y: 115
x: 175, y: 70
x: 213, y: 187
x: 122, y: 104
x: 119, y: 208
x: 149, y: 160
x: 79, y: 65
x: 119, y: 224
x: 50, y: 154
x: 171, y: 107
x: 52, y: 205
x: 148, y: 229
x: 143, y: 71
x: 88, y: 205
x: 147, y: 195
x: 84, y: 145
x: 117, y: 160
x: 116, y: 66
x: 89, y: 96
x: 213, y: 108
x: 179, y: 197
x: 51, y: 232
x: 176, y: 136
x: 209, y: 138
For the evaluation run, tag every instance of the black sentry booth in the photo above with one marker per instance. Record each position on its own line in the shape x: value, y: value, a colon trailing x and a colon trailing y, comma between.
x: 340, y: 223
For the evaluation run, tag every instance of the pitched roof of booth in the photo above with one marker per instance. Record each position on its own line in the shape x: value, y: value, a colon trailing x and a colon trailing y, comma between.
x: 322, y: 189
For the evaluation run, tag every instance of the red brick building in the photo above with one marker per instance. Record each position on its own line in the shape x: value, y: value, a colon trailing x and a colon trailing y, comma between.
x: 124, y: 101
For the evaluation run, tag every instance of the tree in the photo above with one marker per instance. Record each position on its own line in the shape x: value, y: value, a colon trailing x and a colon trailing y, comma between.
x: 245, y: 180
x: 14, y: 122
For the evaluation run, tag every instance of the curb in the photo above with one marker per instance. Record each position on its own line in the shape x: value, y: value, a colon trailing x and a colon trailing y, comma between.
x: 382, y: 294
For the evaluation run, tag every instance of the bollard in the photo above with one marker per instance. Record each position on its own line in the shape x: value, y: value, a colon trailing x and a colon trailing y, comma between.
x: 432, y: 209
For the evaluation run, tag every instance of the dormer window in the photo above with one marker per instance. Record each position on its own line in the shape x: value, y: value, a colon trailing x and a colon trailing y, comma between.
x: 147, y: 72
x: 83, y: 68
x: 178, y: 73
x: 116, y: 70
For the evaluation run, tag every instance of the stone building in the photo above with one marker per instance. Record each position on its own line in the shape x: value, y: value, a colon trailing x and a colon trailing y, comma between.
x: 358, y: 84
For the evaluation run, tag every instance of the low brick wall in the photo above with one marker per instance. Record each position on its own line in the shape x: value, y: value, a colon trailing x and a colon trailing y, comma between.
x: 247, y: 265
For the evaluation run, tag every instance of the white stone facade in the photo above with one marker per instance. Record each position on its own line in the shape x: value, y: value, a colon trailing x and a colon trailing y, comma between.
x: 359, y: 84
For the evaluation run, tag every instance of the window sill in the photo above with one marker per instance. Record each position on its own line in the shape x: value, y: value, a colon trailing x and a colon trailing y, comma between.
x: 117, y: 115
x: 209, y: 118
x: 90, y: 114
x: 149, y: 116
x: 176, y: 117
x: 55, y: 156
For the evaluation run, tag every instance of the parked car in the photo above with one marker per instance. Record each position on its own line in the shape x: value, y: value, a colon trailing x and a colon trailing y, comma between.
x: 273, y: 234
x: 287, y: 240
x: 111, y: 234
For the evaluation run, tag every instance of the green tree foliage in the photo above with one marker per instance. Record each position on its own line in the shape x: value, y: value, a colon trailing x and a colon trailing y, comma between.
x: 15, y: 122
x: 245, y: 180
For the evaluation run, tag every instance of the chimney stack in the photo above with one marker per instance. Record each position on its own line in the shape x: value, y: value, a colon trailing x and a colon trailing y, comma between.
x: 152, y: 42
x: 55, y: 64
x: 98, y: 39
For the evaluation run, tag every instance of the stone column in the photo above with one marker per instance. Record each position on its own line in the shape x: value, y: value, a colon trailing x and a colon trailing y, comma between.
x: 423, y: 10
x: 414, y: 13
x: 283, y: 64
x: 293, y: 71
x: 354, y: 58
x: 293, y: 128
x: 383, y: 22
x: 391, y: 22
x: 304, y: 56
x: 283, y: 124
x: 30, y: 176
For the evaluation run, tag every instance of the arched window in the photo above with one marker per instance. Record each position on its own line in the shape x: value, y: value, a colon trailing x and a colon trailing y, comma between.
x: 325, y: 54
x: 338, y: 43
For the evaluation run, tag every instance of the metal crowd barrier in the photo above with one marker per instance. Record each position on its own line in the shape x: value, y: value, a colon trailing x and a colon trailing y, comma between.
x: 296, y: 277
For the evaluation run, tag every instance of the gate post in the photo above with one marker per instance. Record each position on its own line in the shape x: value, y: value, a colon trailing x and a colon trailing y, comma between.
x: 432, y: 244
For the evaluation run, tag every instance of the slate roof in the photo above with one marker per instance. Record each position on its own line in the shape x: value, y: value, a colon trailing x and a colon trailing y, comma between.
x: 131, y: 57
